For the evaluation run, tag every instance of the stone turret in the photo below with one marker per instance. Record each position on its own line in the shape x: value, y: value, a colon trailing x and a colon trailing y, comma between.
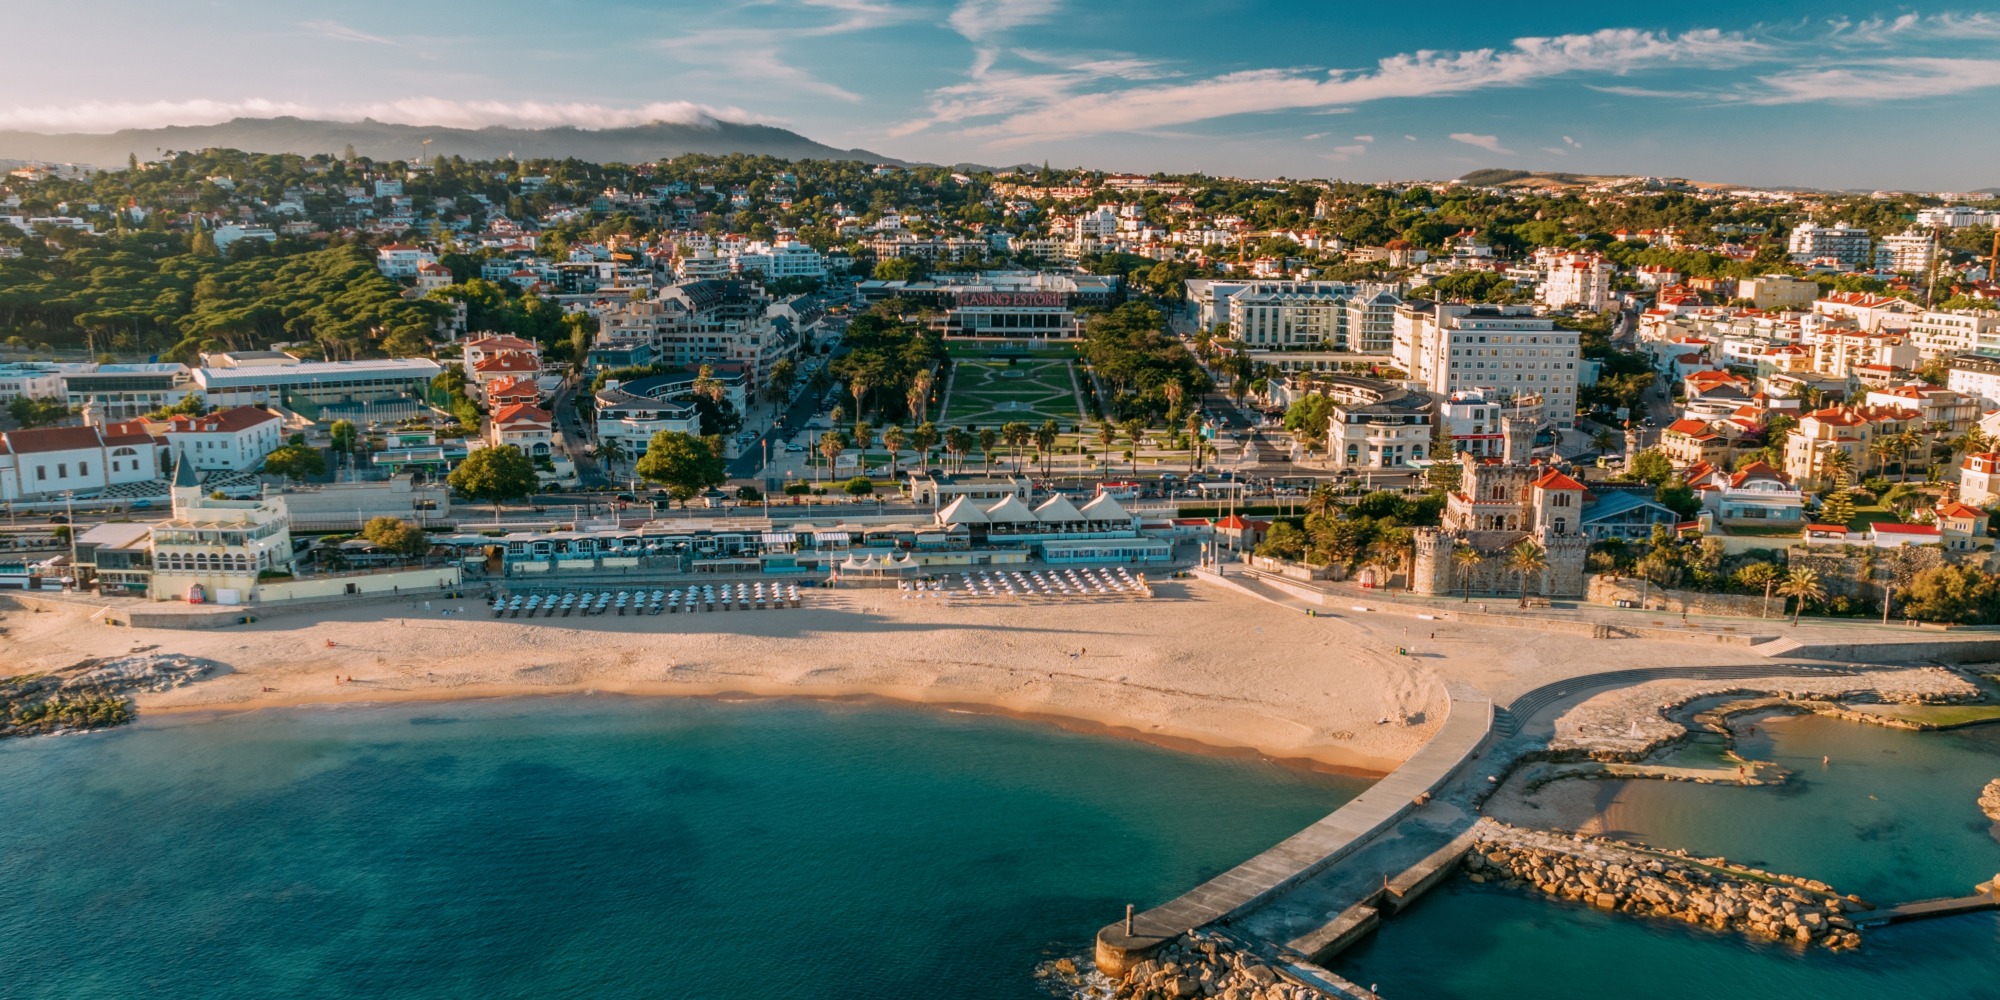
x: 1517, y: 440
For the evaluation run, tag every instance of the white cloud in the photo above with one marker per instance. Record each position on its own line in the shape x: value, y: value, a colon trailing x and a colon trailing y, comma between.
x: 1342, y: 153
x: 1066, y: 110
x: 1412, y: 138
x: 1567, y: 141
x: 340, y: 32
x: 1556, y: 150
x: 1315, y: 135
x: 1490, y: 143
x: 1913, y: 27
x: 1876, y: 80
x: 1364, y: 138
x: 109, y: 116
x: 981, y: 19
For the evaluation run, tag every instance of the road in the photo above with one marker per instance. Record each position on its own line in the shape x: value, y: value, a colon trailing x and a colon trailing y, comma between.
x: 575, y: 438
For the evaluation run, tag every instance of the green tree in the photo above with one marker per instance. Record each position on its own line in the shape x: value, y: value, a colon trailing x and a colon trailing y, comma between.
x: 343, y: 435
x: 1801, y: 584
x: 899, y: 269
x: 1045, y: 441
x: 859, y: 486
x: 925, y: 438
x: 1283, y: 541
x: 1837, y: 508
x: 295, y: 462
x: 684, y: 464
x: 495, y: 476
x: 1307, y: 420
x: 1651, y: 466
x: 29, y: 412
x: 396, y: 535
x: 1465, y: 559
x: 831, y: 444
x: 1953, y: 593
x: 1527, y: 559
x: 893, y: 440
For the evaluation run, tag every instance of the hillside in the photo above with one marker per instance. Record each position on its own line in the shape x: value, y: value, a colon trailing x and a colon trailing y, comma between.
x: 383, y: 140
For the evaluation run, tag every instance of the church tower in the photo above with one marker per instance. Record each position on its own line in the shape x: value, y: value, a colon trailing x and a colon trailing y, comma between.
x: 186, y: 488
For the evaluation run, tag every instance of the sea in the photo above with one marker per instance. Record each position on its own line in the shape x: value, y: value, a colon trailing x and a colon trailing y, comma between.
x: 602, y: 847
x: 1889, y: 815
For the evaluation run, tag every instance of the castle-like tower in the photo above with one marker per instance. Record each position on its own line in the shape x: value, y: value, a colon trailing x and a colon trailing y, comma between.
x: 1495, y: 509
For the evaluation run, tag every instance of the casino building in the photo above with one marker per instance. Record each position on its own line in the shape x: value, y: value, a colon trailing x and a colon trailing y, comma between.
x: 1010, y: 304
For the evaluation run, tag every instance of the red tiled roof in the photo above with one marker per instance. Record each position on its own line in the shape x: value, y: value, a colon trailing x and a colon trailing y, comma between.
x: 45, y: 439
x: 1826, y: 527
x: 1557, y: 481
x: 1957, y: 509
x: 1689, y: 425
x: 523, y: 413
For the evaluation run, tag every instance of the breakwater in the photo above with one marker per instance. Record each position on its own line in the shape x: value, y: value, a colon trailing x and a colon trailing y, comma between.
x: 1989, y: 802
x: 1624, y: 878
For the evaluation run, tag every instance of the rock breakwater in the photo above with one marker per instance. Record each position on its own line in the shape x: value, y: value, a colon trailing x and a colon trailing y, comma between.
x: 1204, y: 965
x: 91, y: 694
x: 1989, y: 802
x: 1623, y: 878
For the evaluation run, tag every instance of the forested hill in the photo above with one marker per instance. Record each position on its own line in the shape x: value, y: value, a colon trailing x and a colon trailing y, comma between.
x: 386, y: 141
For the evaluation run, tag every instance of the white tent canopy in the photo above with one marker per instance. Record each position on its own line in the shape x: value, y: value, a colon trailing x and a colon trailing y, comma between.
x: 1104, y: 508
x: 1010, y: 511
x: 962, y: 511
x: 1058, y: 510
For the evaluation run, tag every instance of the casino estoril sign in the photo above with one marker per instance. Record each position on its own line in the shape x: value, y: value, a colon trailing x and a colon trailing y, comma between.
x: 1012, y: 300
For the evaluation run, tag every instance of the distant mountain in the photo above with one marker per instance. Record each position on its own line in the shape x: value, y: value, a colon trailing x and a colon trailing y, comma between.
x: 386, y: 141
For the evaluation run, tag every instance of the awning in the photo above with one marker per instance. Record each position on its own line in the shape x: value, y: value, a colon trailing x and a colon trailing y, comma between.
x: 779, y: 538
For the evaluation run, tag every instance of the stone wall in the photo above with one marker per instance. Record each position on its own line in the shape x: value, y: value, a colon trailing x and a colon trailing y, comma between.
x: 1604, y: 589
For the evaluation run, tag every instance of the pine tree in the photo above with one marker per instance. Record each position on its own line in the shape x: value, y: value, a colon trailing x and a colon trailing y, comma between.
x: 1837, y: 508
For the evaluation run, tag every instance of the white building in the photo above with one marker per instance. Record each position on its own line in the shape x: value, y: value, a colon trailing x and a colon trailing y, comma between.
x: 1958, y: 217
x: 1475, y: 421
x: 1912, y: 251
x: 1935, y: 332
x: 1574, y: 280
x: 213, y: 550
x: 104, y: 393
x: 318, y: 382
x: 631, y: 420
x: 1849, y: 245
x: 45, y: 463
x: 1375, y: 424
x: 35, y: 381
x: 232, y: 440
x: 400, y: 260
x: 226, y: 235
x: 1454, y: 347
x: 777, y: 262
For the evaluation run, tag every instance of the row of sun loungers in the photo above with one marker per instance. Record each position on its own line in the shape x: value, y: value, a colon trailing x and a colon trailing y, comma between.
x: 706, y: 597
x: 1088, y: 582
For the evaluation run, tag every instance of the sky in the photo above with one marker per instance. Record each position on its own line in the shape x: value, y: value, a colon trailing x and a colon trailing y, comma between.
x: 1752, y: 92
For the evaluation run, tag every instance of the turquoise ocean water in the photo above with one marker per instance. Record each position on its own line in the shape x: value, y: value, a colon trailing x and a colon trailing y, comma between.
x: 601, y: 848
x: 1892, y: 816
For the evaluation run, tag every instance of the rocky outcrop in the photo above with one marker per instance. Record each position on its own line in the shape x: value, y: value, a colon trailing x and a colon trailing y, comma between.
x: 1629, y: 723
x: 1620, y: 877
x: 1201, y: 965
x: 92, y: 694
x: 1989, y: 802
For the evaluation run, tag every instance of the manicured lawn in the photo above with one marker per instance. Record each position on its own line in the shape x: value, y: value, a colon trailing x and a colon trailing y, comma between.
x: 988, y: 393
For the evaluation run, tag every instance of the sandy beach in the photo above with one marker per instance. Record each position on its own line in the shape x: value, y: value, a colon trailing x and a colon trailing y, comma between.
x: 1197, y: 665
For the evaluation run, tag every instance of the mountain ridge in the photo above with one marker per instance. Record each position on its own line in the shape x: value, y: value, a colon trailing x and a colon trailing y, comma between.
x: 394, y: 141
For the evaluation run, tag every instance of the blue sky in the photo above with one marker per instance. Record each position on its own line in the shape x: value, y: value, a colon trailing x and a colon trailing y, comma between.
x: 1754, y: 92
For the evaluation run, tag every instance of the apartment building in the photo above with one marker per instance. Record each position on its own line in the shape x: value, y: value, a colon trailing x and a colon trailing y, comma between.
x: 1847, y: 245
x: 1778, y: 291
x: 1579, y: 281
x: 1934, y: 332
x: 1455, y: 347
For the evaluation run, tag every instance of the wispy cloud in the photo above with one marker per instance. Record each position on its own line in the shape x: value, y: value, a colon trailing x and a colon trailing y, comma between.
x: 1490, y: 143
x: 991, y: 90
x: 109, y: 116
x: 1341, y: 154
x: 1364, y: 138
x: 1912, y: 27
x: 1069, y: 107
x: 757, y: 56
x: 979, y: 20
x: 340, y: 32
x: 1878, y: 80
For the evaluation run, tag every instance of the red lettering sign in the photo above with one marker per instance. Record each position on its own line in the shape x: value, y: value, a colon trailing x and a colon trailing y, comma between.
x: 1013, y: 300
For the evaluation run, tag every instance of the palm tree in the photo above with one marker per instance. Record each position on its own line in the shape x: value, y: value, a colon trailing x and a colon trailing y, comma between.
x: 1045, y: 439
x: 957, y: 443
x: 611, y: 451
x: 1882, y: 449
x: 1323, y: 501
x: 925, y: 438
x: 1107, y: 434
x: 1175, y: 392
x: 1837, y: 462
x: 893, y: 440
x: 1526, y: 558
x: 1017, y: 435
x: 1392, y: 548
x: 989, y: 439
x: 1803, y: 584
x: 831, y: 444
x: 859, y: 388
x: 1907, y: 442
x: 1135, y: 432
x: 1195, y: 443
x: 1465, y: 559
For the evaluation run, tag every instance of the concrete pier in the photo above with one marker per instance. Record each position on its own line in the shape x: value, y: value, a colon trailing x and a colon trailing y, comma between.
x: 1312, y: 850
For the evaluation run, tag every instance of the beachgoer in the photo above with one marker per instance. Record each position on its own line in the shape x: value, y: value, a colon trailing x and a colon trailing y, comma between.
x: 1824, y: 761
